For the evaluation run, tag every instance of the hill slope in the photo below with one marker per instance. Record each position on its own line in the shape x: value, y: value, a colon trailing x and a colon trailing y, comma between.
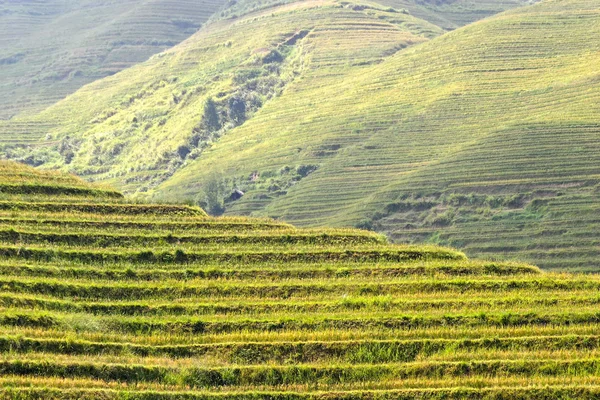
x: 366, y: 42
x: 329, y: 112
x: 137, y: 121
x: 491, y: 128
x: 50, y: 49
x: 452, y: 14
x: 106, y: 299
x: 446, y: 14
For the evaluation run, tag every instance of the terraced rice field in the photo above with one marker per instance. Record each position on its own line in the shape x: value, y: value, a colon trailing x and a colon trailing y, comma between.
x: 129, y: 135
x: 456, y: 13
x: 104, y: 299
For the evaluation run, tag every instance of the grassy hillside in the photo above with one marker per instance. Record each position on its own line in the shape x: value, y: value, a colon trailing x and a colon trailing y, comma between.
x: 19, y: 179
x: 356, y: 37
x: 49, y: 49
x: 485, y: 138
x: 452, y: 14
x: 447, y: 14
x: 146, y: 122
x: 104, y: 299
x: 356, y: 114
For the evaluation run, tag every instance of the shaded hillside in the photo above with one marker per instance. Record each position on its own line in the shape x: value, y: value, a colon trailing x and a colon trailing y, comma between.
x: 49, y: 49
x: 105, y: 299
x: 452, y: 14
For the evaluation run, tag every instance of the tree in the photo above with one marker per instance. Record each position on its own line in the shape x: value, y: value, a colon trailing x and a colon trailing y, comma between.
x: 210, y: 119
x: 212, y: 198
x: 183, y: 151
x: 237, y: 110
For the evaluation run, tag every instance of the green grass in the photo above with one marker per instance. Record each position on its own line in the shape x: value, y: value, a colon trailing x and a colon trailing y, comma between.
x: 364, y: 114
x: 176, y: 304
x: 133, y: 132
x: 447, y: 15
x: 167, y: 94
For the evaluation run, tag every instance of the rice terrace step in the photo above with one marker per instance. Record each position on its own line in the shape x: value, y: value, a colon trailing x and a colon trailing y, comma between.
x: 300, y: 200
x: 102, y: 302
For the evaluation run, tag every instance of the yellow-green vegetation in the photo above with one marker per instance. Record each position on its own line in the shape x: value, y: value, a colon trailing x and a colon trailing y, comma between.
x: 101, y: 301
x: 18, y: 181
x: 452, y: 14
x: 148, y: 121
x: 49, y: 49
x: 140, y: 126
x: 364, y: 114
x: 484, y: 138
x: 447, y: 14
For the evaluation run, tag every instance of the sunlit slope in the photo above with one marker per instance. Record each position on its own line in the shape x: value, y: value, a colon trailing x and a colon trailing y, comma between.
x: 49, y: 49
x: 22, y: 180
x: 137, y: 127
x: 508, y: 105
x: 105, y: 299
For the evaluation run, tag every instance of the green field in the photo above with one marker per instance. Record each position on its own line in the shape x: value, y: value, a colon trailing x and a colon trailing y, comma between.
x: 49, y: 49
x: 96, y: 132
x: 106, y: 299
